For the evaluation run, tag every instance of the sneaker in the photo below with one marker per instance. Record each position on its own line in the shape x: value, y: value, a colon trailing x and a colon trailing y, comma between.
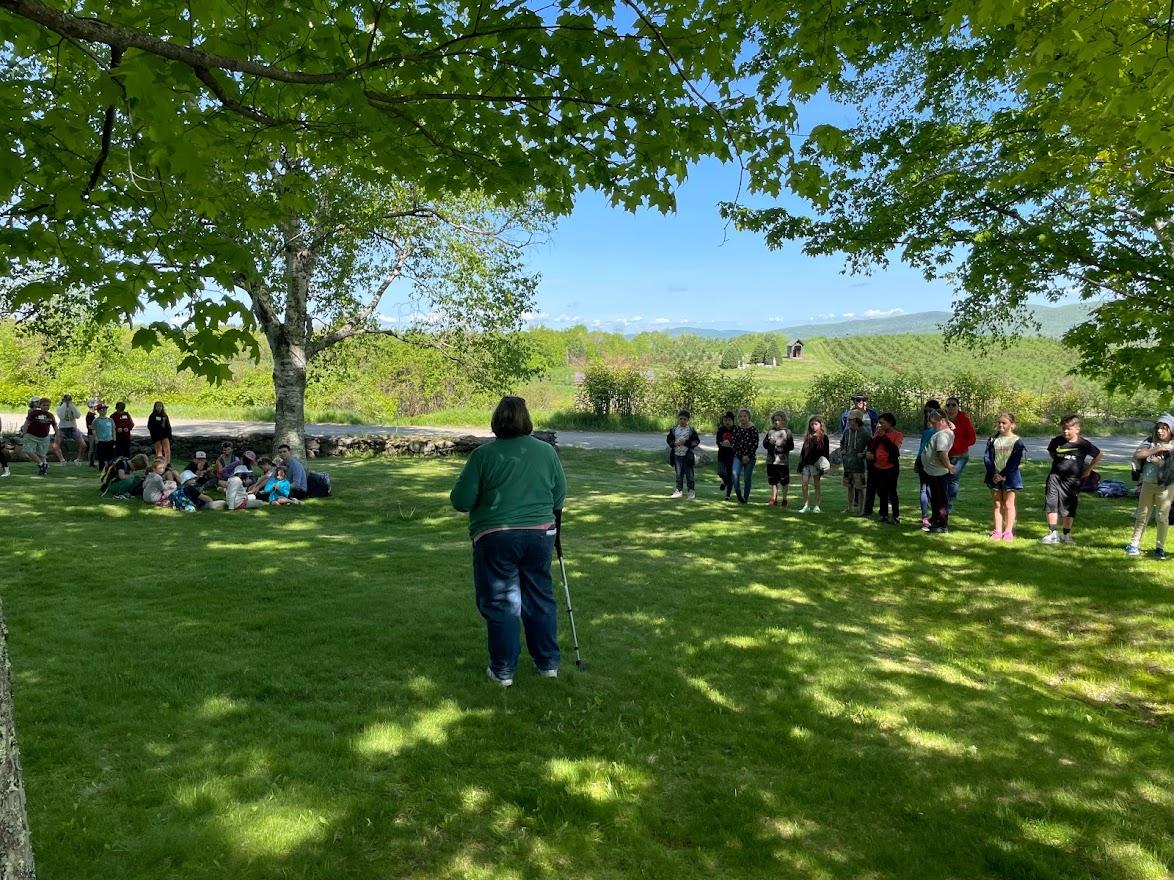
x: 884, y: 519
x: 771, y: 503
x: 995, y: 535
x: 815, y: 509
x: 938, y: 530
x: 1067, y: 539
x: 122, y: 496
x: 1008, y: 536
x: 692, y: 495
x: 501, y: 682
x: 925, y: 527
x: 5, y: 473
x: 1050, y: 538
x: 1132, y: 550
x: 925, y: 520
x: 805, y: 509
x: 548, y: 673
x: 1159, y: 553
x: 42, y: 468
x: 677, y: 494
x: 783, y: 503
x: 896, y: 521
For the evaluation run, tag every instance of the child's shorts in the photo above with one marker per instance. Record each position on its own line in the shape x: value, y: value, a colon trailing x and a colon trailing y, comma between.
x: 1062, y: 495
x: 35, y: 445
x: 778, y: 474
x: 810, y: 470
x: 854, y: 480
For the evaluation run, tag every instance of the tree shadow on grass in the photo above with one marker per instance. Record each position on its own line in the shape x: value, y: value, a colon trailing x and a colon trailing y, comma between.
x: 767, y: 697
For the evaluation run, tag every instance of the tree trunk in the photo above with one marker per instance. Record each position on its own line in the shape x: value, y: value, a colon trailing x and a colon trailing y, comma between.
x: 289, y: 390
x: 16, y: 847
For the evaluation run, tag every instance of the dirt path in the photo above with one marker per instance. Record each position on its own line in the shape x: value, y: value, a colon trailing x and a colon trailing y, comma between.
x: 1116, y: 448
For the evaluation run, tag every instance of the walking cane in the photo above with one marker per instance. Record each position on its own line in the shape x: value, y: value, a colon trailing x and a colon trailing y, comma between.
x: 558, y: 549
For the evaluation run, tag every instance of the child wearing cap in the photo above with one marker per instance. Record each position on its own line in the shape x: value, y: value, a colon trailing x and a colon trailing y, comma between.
x: 123, y: 425
x: 103, y: 437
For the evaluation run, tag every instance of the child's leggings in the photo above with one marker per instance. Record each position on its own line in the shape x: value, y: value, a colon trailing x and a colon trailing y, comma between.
x: 1153, y: 497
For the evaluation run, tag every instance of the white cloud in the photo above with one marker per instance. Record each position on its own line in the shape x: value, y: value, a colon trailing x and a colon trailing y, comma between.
x: 878, y: 313
x: 662, y: 320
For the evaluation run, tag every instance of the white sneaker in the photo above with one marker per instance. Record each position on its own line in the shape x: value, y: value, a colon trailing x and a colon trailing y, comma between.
x: 5, y: 473
x: 815, y: 509
x: 1066, y: 539
x: 805, y: 509
x: 548, y: 673
x: 692, y: 495
x: 676, y: 494
x: 501, y: 682
x: 1050, y: 538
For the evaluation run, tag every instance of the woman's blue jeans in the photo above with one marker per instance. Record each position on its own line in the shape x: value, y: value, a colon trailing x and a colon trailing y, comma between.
x: 742, y: 475
x: 511, y: 576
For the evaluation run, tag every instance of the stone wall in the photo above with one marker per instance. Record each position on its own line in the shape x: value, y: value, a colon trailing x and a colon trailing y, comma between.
x: 183, y: 447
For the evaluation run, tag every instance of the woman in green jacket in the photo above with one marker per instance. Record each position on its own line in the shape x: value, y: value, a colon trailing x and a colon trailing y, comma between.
x: 513, y: 488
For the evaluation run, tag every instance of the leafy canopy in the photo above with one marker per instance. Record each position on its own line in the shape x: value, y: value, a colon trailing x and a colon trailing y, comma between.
x: 121, y: 124
x: 1021, y: 150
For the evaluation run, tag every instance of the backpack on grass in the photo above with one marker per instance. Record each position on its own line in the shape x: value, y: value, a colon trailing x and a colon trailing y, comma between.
x: 1112, y: 489
x: 318, y: 485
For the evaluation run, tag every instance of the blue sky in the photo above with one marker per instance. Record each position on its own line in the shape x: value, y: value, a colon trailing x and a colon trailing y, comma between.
x: 612, y: 270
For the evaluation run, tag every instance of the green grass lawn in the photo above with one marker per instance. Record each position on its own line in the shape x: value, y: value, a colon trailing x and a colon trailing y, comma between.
x: 300, y: 692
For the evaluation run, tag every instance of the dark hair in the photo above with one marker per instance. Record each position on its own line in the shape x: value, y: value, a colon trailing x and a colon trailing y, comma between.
x: 282, y: 446
x: 281, y: 467
x: 511, y: 419
x: 931, y: 404
x: 888, y: 417
x: 955, y: 399
x: 1069, y: 419
x: 729, y: 414
x: 684, y: 414
x: 264, y: 460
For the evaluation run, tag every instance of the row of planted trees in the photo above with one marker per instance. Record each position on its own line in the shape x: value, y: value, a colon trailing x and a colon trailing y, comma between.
x: 633, y: 394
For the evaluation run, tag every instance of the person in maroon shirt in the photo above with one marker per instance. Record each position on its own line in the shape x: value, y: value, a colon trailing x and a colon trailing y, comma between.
x: 123, y: 425
x: 36, y: 429
x: 964, y: 438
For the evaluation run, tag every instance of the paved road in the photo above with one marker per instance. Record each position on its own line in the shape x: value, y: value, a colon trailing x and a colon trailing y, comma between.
x: 1117, y: 448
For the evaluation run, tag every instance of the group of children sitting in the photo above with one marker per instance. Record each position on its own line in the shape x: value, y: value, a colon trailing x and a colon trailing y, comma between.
x: 245, y: 482
x: 870, y: 455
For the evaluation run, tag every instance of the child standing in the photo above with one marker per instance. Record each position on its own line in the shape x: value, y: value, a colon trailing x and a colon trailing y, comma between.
x: 927, y: 432
x: 103, y: 438
x: 815, y: 446
x: 745, y: 454
x: 682, y: 439
x: 725, y: 453
x: 123, y: 425
x: 778, y: 443
x: 853, y: 446
x: 1156, y: 456
x: 936, y: 469
x: 1070, y: 464
x: 884, y: 455
x: 159, y: 427
x: 1004, y: 452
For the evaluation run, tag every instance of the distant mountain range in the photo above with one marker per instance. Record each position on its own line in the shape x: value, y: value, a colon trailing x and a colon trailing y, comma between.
x: 1053, y: 320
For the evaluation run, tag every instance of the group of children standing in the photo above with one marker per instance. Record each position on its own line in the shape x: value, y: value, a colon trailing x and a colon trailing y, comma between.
x: 870, y: 453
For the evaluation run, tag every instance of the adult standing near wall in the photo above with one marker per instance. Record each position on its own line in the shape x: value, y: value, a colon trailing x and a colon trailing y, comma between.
x: 513, y: 489
x: 67, y: 416
x: 964, y: 438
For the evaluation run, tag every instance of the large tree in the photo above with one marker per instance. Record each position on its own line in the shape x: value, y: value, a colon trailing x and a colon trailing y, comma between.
x: 1021, y: 149
x: 132, y: 135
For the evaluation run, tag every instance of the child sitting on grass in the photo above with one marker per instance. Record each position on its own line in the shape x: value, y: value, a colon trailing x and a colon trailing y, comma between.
x: 1004, y: 452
